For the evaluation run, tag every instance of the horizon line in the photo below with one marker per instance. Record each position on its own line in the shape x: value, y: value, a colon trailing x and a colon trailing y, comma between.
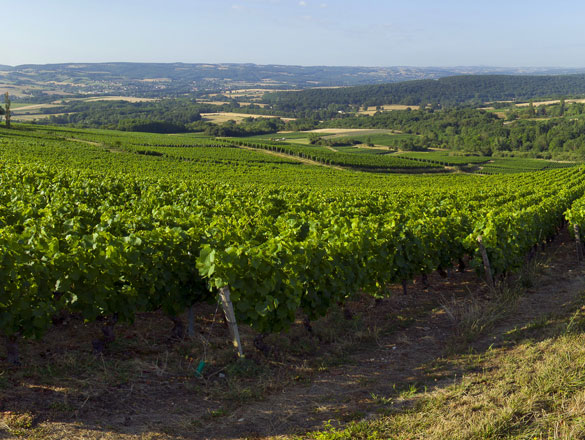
x: 458, y: 66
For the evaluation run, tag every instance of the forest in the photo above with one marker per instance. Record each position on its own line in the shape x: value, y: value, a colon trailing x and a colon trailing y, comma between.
x: 480, y: 131
x: 444, y: 92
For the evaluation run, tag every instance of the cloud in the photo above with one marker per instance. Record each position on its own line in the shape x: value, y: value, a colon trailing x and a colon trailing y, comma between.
x: 237, y: 7
x: 302, y: 3
x: 323, y: 5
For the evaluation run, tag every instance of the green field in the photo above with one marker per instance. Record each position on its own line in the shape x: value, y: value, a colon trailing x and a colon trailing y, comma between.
x: 358, y: 150
x: 386, y: 140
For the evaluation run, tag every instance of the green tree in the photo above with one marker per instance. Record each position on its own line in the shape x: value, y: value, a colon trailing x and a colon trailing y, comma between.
x: 531, y: 110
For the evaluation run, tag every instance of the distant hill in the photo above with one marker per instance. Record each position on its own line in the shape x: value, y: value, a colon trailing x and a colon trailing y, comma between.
x: 446, y: 91
x: 157, y: 80
x: 219, y: 75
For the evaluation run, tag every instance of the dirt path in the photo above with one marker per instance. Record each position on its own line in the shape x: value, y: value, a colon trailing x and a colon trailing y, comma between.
x: 353, y: 390
x: 289, y: 156
x: 96, y: 144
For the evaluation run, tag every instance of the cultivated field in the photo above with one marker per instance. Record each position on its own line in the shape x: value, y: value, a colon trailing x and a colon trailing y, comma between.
x: 118, y: 98
x: 388, y: 107
x: 28, y: 117
x: 221, y: 117
x: 345, y: 131
x: 554, y: 101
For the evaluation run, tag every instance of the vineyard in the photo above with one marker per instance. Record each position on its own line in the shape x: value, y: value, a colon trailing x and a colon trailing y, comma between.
x: 91, y: 225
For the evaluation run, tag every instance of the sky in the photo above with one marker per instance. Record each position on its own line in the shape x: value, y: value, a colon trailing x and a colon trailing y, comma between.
x: 511, y: 33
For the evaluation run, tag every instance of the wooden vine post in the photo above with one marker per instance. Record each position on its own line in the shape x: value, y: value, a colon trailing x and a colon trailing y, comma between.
x: 230, y: 316
x: 486, y: 263
x: 404, y: 287
x: 578, y: 243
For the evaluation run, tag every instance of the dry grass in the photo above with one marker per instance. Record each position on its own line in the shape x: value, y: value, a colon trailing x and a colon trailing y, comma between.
x: 205, y: 101
x: 28, y: 107
x: 474, y: 316
x: 242, y: 104
x: 103, y: 98
x: 524, y: 379
x: 27, y: 117
x: 554, y: 101
x: 534, y: 391
x: 342, y: 131
x: 14, y: 91
x: 61, y: 83
x: 148, y: 80
x: 30, y: 112
x: 221, y: 117
x: 247, y: 104
x: 389, y: 107
x: 119, y: 98
x: 252, y: 91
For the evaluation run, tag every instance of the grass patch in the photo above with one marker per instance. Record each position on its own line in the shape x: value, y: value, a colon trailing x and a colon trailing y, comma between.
x: 472, y: 316
x: 533, y: 390
x: 386, y: 140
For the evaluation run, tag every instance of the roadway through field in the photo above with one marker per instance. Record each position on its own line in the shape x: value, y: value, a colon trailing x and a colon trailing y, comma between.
x: 290, y: 156
x: 97, y: 144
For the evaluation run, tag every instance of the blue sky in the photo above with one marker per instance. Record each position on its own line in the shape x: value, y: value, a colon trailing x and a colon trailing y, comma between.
x: 300, y: 32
